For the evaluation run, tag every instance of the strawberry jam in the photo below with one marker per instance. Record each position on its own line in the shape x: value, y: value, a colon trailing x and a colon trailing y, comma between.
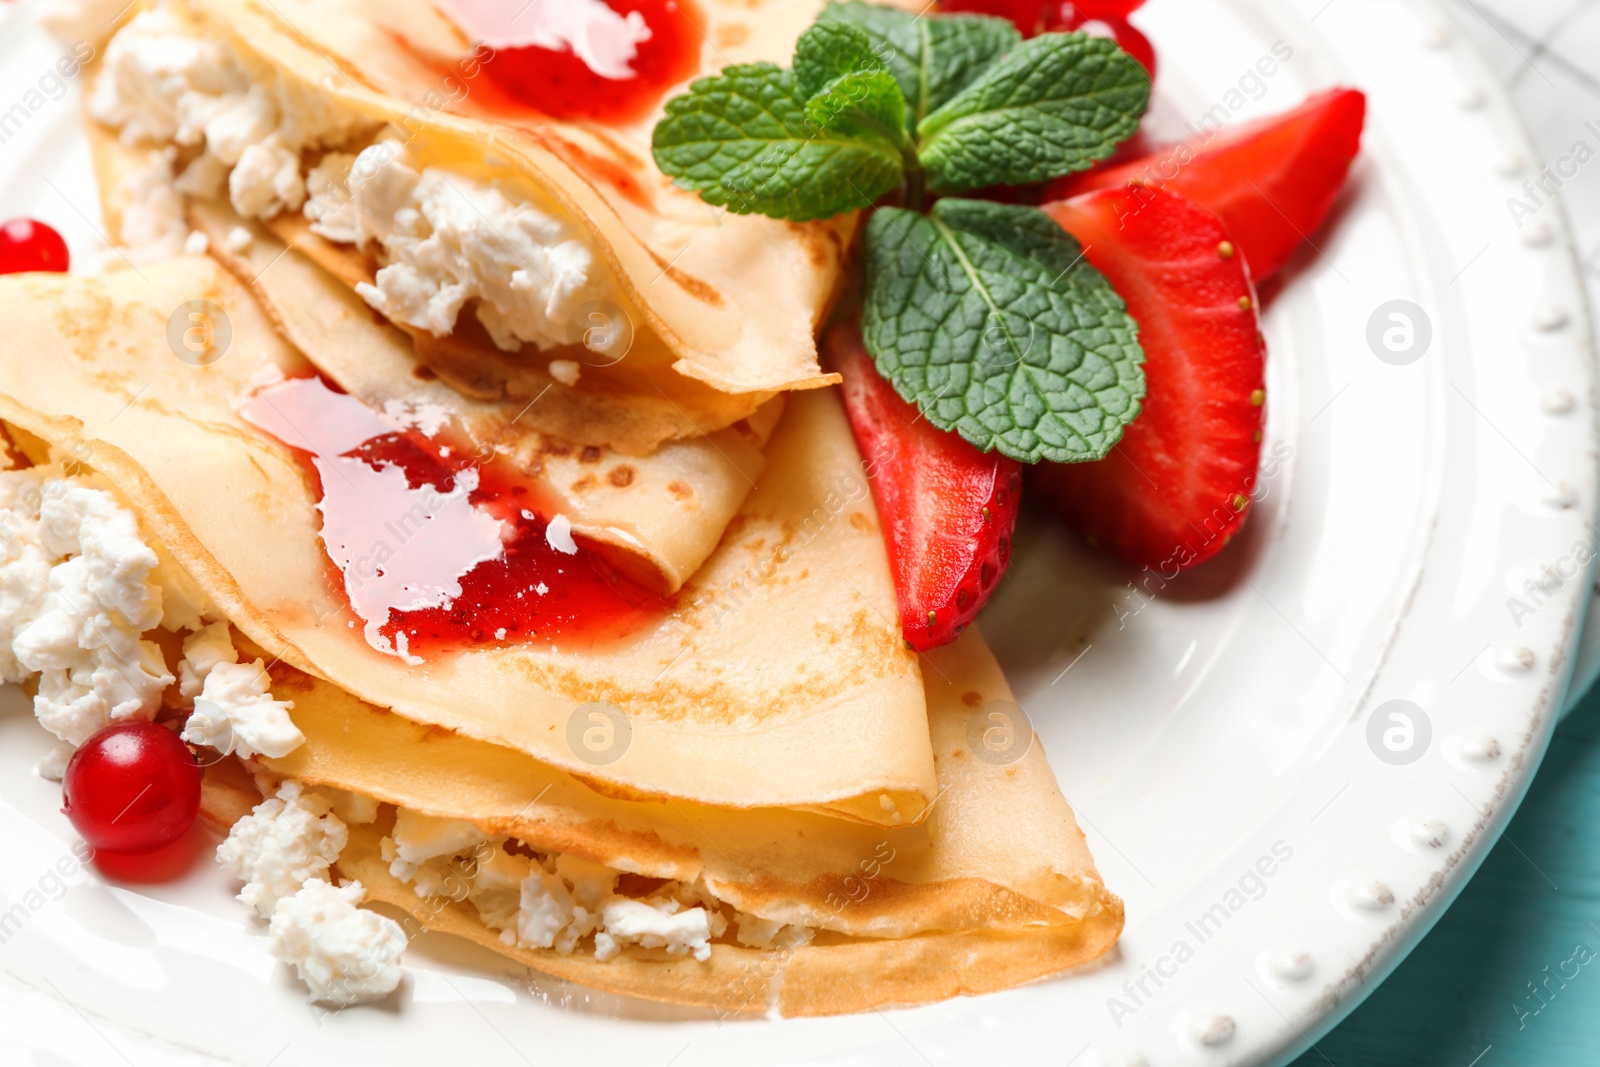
x: 607, y: 61
x: 438, y: 548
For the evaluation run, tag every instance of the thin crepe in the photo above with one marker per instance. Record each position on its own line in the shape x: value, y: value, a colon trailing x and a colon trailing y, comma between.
x: 996, y: 888
x: 737, y: 299
x: 661, y: 505
x: 779, y: 679
x: 633, y: 405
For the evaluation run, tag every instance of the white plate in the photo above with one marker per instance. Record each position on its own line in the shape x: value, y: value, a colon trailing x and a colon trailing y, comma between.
x: 1216, y: 732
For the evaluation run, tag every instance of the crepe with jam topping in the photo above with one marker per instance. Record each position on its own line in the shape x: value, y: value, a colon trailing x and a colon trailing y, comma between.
x: 442, y: 583
x: 748, y: 797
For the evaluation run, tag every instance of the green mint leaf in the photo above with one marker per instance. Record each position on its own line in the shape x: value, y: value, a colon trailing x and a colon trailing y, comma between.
x: 867, y: 106
x: 829, y: 50
x: 988, y: 317
x: 932, y: 57
x: 1055, y: 104
x: 850, y: 90
x: 743, y: 140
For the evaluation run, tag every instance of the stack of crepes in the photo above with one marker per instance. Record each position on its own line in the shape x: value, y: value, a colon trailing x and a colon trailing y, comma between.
x: 783, y: 757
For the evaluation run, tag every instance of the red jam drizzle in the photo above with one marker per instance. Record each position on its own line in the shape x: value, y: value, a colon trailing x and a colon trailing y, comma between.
x: 588, y: 65
x: 438, y: 549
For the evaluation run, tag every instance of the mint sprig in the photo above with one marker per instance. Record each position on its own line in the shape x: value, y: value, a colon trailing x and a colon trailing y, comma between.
x: 987, y: 316
x: 932, y: 58
x: 1043, y: 110
x: 748, y: 140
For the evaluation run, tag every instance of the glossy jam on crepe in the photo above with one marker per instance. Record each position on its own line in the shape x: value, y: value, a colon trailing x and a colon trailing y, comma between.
x: 579, y: 60
x: 435, y: 546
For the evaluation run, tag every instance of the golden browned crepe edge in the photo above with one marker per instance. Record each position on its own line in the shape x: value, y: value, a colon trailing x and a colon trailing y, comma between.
x: 841, y: 977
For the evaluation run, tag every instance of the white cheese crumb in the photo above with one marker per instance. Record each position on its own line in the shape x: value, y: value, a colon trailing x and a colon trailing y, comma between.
x: 353, y: 809
x: 196, y: 244
x: 239, y: 239
x: 558, y: 903
x: 203, y: 650
x: 206, y: 177
x: 52, y: 766
x: 153, y: 221
x: 420, y: 848
x: 656, y: 923
x: 547, y: 910
x: 343, y: 954
x: 565, y: 371
x: 162, y: 83
x: 236, y: 713
x: 559, y: 536
x: 496, y: 891
x: 448, y: 239
x: 75, y: 600
x: 266, y: 181
x: 285, y: 841
x: 754, y: 931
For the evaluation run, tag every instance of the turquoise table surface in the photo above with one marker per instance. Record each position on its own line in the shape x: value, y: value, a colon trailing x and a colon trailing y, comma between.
x: 1510, y: 977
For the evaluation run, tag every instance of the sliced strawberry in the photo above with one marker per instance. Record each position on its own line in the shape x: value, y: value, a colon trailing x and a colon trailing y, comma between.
x: 1271, y: 181
x: 1048, y: 16
x: 1108, y: 9
x: 1082, y: 17
x: 948, y: 510
x: 1179, y: 483
x: 1029, y: 15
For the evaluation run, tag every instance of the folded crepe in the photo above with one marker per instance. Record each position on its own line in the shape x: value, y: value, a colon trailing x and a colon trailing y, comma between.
x: 660, y: 506
x: 995, y: 888
x: 729, y: 303
x: 779, y: 664
x: 792, y: 781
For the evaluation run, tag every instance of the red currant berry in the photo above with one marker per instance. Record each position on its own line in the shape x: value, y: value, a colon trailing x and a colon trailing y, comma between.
x: 132, y: 788
x: 26, y: 245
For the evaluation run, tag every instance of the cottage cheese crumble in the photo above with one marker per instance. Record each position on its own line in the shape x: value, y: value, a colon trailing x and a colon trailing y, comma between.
x: 77, y: 593
x: 421, y: 845
x: 153, y: 221
x: 288, y: 840
x: 237, y: 714
x: 52, y: 766
x: 558, y: 901
x: 283, y: 850
x: 343, y: 954
x: 79, y: 589
x: 202, y: 650
x: 163, y: 84
x: 661, y: 923
x: 448, y: 239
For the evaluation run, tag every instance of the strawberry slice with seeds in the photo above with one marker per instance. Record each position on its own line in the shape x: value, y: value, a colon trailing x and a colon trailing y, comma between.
x: 1271, y: 182
x: 948, y: 511
x: 1178, y: 485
